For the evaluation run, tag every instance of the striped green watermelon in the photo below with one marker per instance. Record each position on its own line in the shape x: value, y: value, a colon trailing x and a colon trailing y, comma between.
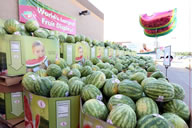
x: 77, y: 38
x: 111, y: 87
x: 119, y: 99
x: 75, y: 87
x: 95, y: 108
x: 179, y: 91
x: 159, y: 90
x: 76, y: 66
x: 163, y: 79
x: 158, y: 74
x: 30, y: 81
x: 82, y: 37
x: 63, y: 78
x: 119, y: 67
x: 178, y: 107
x: 122, y: 116
x: 95, y: 68
x: 108, y: 73
x: 65, y: 71
x: 83, y: 79
x: 43, y: 87
x: 42, y: 72
x: 31, y: 25
x: 61, y: 63
x: 175, y: 120
x: 41, y: 33
x: 51, y: 78
x: 122, y: 76
x: 146, y: 106
x: 74, y: 73
x: 152, y: 68
x: 95, y: 60
x: 61, y: 38
x: 2, y: 31
x: 115, y: 71
x: 153, y: 121
x: 146, y: 81
x: 59, y: 89
x: 105, y: 59
x: 131, y: 89
x: 54, y: 70
x: 85, y: 71
x: 97, y: 78
x: 139, y: 77
x: 101, y: 65
x: 73, y: 79
x: 70, y: 39
x: 88, y: 63
x: 91, y: 92
x: 11, y: 26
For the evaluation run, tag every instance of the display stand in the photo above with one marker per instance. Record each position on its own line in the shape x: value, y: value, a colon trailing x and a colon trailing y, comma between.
x: 167, y: 58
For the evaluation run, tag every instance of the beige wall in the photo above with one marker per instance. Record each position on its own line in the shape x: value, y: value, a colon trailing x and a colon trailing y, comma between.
x: 90, y: 25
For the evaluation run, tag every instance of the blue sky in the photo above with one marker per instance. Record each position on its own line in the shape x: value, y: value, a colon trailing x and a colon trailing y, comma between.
x: 121, y: 22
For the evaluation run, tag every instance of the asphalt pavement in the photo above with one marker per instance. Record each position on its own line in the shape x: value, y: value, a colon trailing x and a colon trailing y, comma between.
x: 180, y: 76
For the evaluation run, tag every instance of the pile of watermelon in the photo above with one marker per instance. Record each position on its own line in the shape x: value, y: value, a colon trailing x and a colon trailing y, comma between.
x: 116, y: 90
x: 32, y: 28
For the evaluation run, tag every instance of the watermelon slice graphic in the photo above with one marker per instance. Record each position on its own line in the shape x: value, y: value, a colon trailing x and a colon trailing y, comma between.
x: 35, y: 62
x: 28, y: 15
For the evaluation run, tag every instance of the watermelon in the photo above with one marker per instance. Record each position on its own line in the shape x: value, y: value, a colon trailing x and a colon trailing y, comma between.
x: 61, y: 38
x: 42, y: 72
x: 97, y: 78
x: 131, y: 89
x: 76, y: 66
x: 119, y: 67
x: 82, y: 37
x: 2, y: 31
x: 163, y: 79
x: 61, y: 63
x: 59, y: 89
x: 65, y: 71
x: 139, y: 77
x: 54, y: 70
x: 70, y: 39
x: 108, y: 73
x: 119, y: 99
x: 105, y: 59
x: 151, y: 69
x: 146, y: 81
x: 31, y: 25
x: 43, y: 87
x: 178, y: 107
x: 77, y: 38
x: 157, y: 74
x: 175, y: 120
x: 122, y: 116
x: 122, y: 76
x: 153, y: 121
x: 11, y: 26
x: 115, y: 71
x: 53, y: 37
x: 73, y: 79
x: 30, y: 81
x: 40, y: 33
x: 63, y: 78
x: 95, y: 60
x: 95, y: 68
x: 111, y: 87
x: 83, y: 79
x: 75, y: 87
x: 87, y: 39
x: 101, y: 65
x: 85, y: 71
x: 179, y: 91
x: 51, y: 78
x: 88, y: 63
x: 159, y: 90
x: 95, y: 108
x: 74, y: 72
x: 91, y: 92
x: 146, y: 106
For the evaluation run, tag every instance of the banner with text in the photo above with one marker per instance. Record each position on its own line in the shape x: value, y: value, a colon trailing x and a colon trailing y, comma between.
x: 46, y: 16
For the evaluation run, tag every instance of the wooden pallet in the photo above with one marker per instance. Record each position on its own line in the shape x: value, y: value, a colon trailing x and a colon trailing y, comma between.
x: 14, y: 123
x: 8, y: 81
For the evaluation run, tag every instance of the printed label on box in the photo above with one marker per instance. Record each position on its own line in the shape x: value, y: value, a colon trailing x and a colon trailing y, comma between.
x: 106, y: 52
x: 69, y: 54
x: 93, y: 52
x: 17, y: 103
x: 63, y: 114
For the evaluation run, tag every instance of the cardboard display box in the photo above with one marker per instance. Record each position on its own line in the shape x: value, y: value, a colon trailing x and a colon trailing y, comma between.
x: 97, y: 52
x: 51, y: 112
x: 21, y: 53
x: 8, y: 81
x: 108, y: 52
x: 74, y: 53
x: 11, y: 101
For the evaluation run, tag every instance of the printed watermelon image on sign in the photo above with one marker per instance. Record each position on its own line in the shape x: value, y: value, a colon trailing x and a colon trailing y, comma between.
x: 47, y: 17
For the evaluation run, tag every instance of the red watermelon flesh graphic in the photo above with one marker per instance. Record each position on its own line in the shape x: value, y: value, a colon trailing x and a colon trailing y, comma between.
x: 35, y: 62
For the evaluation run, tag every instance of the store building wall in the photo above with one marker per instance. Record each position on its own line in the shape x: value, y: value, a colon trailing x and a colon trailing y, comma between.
x: 90, y: 25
